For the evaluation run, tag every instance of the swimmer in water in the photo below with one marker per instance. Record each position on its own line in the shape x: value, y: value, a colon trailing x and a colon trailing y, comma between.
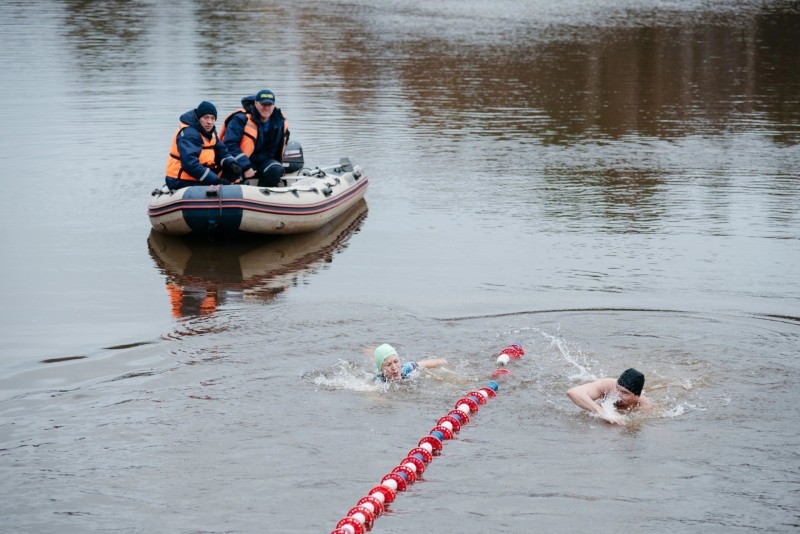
x: 389, y: 368
x: 626, y: 390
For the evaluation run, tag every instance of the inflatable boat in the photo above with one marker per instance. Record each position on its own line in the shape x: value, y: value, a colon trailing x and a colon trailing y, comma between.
x: 306, y: 200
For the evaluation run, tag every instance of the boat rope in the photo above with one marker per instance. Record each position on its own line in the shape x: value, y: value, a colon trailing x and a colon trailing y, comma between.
x: 362, y: 516
x: 159, y: 192
x: 297, y: 190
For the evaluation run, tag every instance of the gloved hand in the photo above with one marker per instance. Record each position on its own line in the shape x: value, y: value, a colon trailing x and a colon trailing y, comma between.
x: 235, y: 171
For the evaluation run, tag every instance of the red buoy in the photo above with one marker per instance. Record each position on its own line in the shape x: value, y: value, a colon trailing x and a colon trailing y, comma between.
x: 489, y: 391
x: 398, y: 479
x: 418, y: 464
x: 434, y: 443
x: 427, y: 457
x: 500, y: 373
x: 452, y: 420
x: 369, y: 517
x: 446, y: 432
x: 358, y: 528
x: 411, y: 476
x: 388, y: 494
x: 477, y: 395
x: 513, y: 351
x: 469, y: 401
x: 376, y: 504
x: 461, y: 416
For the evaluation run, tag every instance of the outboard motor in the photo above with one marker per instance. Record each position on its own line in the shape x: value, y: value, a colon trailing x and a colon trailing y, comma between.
x: 293, y: 157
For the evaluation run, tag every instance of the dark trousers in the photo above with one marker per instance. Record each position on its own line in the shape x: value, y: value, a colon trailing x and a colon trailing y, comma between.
x: 270, y: 174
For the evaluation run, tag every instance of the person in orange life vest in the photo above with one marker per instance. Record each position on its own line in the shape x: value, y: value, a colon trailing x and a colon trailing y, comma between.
x: 255, y: 136
x: 197, y: 156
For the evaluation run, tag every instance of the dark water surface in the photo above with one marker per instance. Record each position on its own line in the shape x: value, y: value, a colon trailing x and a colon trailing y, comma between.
x: 608, y: 184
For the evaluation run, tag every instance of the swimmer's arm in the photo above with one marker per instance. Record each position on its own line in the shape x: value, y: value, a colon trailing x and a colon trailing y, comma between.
x: 585, y: 395
x: 431, y: 363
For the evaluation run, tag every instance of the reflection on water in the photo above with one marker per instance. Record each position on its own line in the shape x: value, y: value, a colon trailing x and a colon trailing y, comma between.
x: 561, y: 75
x: 108, y: 35
x: 201, y: 275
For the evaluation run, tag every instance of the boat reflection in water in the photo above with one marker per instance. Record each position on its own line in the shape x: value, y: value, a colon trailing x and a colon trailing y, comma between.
x: 203, y: 275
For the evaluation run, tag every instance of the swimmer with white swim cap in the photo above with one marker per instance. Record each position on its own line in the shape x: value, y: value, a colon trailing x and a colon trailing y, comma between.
x: 389, y: 368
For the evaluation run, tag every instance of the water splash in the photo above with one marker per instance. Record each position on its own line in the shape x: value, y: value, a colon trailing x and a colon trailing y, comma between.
x: 344, y: 375
x: 578, y: 361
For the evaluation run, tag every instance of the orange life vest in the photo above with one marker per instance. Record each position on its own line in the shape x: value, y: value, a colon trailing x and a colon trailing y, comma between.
x: 207, y: 306
x: 248, y: 142
x: 207, y: 156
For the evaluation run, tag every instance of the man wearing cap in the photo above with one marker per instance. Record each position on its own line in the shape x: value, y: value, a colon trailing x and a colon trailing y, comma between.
x: 255, y: 136
x: 389, y: 368
x: 196, y: 156
x: 625, y: 390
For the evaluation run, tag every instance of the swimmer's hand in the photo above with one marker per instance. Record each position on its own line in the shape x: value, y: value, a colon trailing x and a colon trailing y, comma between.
x: 614, y: 420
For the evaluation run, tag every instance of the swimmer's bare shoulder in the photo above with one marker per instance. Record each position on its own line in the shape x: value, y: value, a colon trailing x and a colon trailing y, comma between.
x: 645, y: 403
x: 594, y: 390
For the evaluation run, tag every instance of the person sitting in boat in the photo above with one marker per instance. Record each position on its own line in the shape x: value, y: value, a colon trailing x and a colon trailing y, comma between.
x: 197, y: 156
x: 390, y: 370
x: 255, y: 135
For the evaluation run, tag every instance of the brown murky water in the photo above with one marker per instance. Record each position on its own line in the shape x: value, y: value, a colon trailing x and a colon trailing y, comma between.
x: 609, y: 186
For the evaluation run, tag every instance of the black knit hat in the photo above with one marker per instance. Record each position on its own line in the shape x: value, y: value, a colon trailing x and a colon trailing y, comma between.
x: 632, y: 380
x: 206, y: 108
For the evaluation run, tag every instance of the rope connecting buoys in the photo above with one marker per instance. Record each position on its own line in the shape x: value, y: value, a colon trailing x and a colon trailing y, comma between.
x: 361, y: 517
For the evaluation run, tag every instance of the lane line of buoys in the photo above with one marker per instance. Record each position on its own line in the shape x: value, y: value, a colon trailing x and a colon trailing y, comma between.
x: 362, y: 516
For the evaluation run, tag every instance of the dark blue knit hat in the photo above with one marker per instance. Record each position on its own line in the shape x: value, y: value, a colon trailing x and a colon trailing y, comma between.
x: 206, y: 108
x: 632, y: 380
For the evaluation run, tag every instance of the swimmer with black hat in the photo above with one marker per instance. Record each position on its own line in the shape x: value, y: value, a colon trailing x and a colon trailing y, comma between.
x: 625, y: 390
